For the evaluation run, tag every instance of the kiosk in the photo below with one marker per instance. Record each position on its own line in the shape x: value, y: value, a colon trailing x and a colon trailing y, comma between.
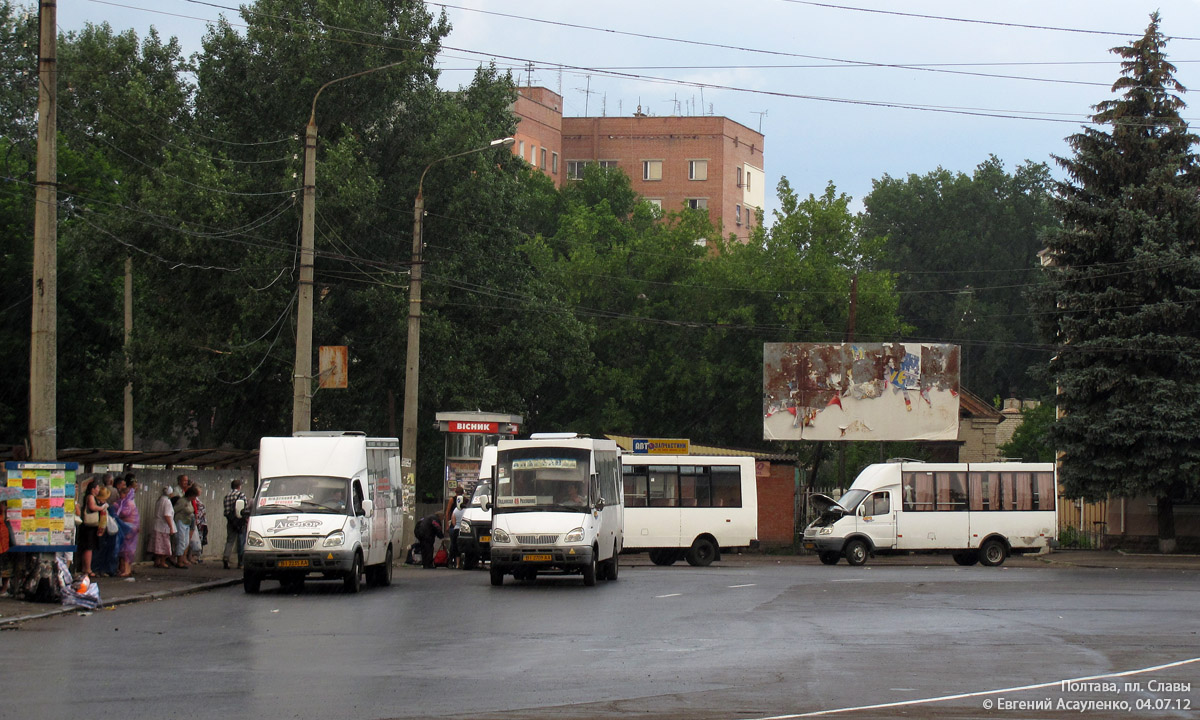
x: 467, y: 433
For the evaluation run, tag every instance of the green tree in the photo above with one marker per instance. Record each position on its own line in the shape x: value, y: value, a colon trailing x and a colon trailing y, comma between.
x: 964, y: 247
x: 1120, y: 298
x: 1031, y: 441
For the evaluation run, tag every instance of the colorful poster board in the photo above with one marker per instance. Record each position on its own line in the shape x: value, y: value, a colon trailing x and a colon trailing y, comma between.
x: 39, y: 506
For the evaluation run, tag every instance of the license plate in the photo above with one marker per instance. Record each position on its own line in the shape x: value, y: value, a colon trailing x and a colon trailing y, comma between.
x: 293, y: 563
x: 485, y: 538
x: 538, y: 558
x: 810, y: 546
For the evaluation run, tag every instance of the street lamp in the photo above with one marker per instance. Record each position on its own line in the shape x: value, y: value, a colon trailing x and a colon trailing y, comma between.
x: 408, y: 444
x: 302, y: 375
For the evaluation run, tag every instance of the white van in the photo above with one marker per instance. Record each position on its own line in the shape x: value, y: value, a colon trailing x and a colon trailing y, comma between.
x: 557, y: 506
x: 475, y: 529
x: 978, y: 512
x: 689, y: 506
x: 325, y: 507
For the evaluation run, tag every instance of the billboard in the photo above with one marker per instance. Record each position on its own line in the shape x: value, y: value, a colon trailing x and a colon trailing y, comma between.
x: 860, y: 391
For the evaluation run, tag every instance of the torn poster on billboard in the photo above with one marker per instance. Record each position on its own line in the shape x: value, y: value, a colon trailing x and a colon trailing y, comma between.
x: 860, y: 391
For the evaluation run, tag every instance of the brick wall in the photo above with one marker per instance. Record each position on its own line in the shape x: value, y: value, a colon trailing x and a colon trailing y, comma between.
x: 776, y: 503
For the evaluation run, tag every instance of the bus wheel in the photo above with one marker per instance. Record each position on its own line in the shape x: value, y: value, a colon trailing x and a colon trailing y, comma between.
x: 663, y: 557
x: 966, y: 558
x: 497, y: 576
x: 992, y: 553
x: 352, y: 583
x: 589, y: 572
x: 856, y: 552
x: 702, y: 552
x: 251, y: 582
x: 829, y: 557
x: 612, y: 566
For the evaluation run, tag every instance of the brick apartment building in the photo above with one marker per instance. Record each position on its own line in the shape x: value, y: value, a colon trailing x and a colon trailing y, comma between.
x: 703, y: 162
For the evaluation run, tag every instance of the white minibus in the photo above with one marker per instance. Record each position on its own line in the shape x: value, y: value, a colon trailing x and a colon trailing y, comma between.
x: 475, y: 529
x: 326, y: 507
x: 689, y: 506
x: 977, y: 512
x: 556, y: 506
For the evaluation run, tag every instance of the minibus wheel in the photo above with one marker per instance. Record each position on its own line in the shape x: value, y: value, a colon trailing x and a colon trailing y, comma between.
x: 612, y: 565
x: 992, y: 553
x: 353, y: 580
x: 663, y: 557
x: 589, y: 572
x: 857, y: 552
x: 497, y: 575
x: 470, y: 561
x: 702, y: 552
x: 251, y: 582
x: 829, y: 557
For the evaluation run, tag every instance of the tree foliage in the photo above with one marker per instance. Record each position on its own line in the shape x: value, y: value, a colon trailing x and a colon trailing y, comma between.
x: 1120, y: 299
x: 964, y: 248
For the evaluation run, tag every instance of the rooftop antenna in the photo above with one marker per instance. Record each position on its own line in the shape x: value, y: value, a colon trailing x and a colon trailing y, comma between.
x: 529, y: 74
x: 604, y: 105
x: 760, y: 115
x: 702, y: 100
x: 587, y: 94
x: 560, y: 80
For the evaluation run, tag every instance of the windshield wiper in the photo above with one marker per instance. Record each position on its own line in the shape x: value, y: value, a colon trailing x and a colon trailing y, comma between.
x: 275, y: 507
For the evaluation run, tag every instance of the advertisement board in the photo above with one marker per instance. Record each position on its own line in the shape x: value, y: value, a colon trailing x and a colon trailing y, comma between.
x: 39, y: 501
x: 860, y: 391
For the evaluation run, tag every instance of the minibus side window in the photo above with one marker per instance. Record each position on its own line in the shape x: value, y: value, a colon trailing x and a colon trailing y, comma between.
x: 358, y: 498
x: 878, y: 504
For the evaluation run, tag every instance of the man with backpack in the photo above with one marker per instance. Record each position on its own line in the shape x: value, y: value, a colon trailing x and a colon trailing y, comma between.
x: 235, y: 523
x: 429, y: 528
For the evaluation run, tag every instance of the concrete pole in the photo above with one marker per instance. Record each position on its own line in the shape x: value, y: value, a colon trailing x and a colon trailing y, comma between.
x: 128, y: 444
x: 43, y: 354
x: 302, y: 387
x: 408, y: 440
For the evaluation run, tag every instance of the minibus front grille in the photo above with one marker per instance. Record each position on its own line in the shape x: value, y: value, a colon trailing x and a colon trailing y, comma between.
x: 293, y: 543
x: 537, y: 539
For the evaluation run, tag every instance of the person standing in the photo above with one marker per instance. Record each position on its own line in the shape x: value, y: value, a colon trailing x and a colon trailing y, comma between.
x: 199, y: 536
x: 86, y: 538
x: 164, y: 527
x: 130, y: 522
x: 185, y: 516
x: 429, y: 528
x: 235, y: 523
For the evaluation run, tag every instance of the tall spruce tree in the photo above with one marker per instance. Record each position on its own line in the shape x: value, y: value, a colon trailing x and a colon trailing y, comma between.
x: 1121, y: 301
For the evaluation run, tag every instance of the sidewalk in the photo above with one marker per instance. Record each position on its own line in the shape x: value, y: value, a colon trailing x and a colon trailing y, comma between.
x: 146, y: 583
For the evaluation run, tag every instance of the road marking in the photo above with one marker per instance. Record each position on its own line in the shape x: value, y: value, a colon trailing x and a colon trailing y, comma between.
x: 671, y: 595
x: 848, y: 580
x: 746, y: 585
x: 981, y: 693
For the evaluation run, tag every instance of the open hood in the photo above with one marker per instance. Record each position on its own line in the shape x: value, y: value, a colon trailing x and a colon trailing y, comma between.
x: 824, y: 504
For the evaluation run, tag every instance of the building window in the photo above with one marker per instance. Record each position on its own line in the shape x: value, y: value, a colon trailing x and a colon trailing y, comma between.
x: 521, y: 149
x: 533, y: 154
x: 656, y: 202
x: 575, y: 169
x: 608, y: 164
x: 747, y: 181
x: 739, y: 177
x: 652, y: 169
x: 697, y: 169
x: 697, y: 203
x: 543, y: 165
x: 554, y: 163
x: 737, y: 214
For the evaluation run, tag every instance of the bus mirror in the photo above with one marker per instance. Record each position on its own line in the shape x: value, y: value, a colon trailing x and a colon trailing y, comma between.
x: 600, y: 503
x: 368, y: 508
x: 485, y: 503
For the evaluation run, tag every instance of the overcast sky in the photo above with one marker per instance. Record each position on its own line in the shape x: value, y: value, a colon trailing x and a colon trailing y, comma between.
x: 809, y: 75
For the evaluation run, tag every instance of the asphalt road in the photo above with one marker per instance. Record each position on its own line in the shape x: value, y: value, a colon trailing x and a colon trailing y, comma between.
x: 743, y: 640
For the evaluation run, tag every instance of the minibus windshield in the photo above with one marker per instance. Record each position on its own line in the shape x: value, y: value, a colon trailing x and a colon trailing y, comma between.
x: 542, y: 478
x: 851, y: 499
x: 302, y: 493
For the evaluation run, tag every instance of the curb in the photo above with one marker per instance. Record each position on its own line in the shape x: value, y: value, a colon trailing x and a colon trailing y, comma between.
x: 145, y: 597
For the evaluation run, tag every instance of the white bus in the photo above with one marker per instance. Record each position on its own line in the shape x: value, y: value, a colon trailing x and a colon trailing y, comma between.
x: 981, y: 512
x: 556, y: 506
x: 689, y: 506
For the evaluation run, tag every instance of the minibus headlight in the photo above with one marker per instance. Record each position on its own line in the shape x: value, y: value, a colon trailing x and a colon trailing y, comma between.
x: 575, y: 535
x: 335, y: 539
x: 828, y: 530
x: 254, y: 540
x: 464, y: 527
x: 499, y: 536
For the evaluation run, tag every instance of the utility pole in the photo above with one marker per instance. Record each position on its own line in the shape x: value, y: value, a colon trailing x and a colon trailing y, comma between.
x: 128, y: 444
x: 302, y: 376
x: 43, y: 353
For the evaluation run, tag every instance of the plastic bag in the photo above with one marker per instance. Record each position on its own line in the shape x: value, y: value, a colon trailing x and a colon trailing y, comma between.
x: 111, y: 526
x: 84, y: 594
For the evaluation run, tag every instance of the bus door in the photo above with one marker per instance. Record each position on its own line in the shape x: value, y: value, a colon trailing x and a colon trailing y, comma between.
x: 877, y: 519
